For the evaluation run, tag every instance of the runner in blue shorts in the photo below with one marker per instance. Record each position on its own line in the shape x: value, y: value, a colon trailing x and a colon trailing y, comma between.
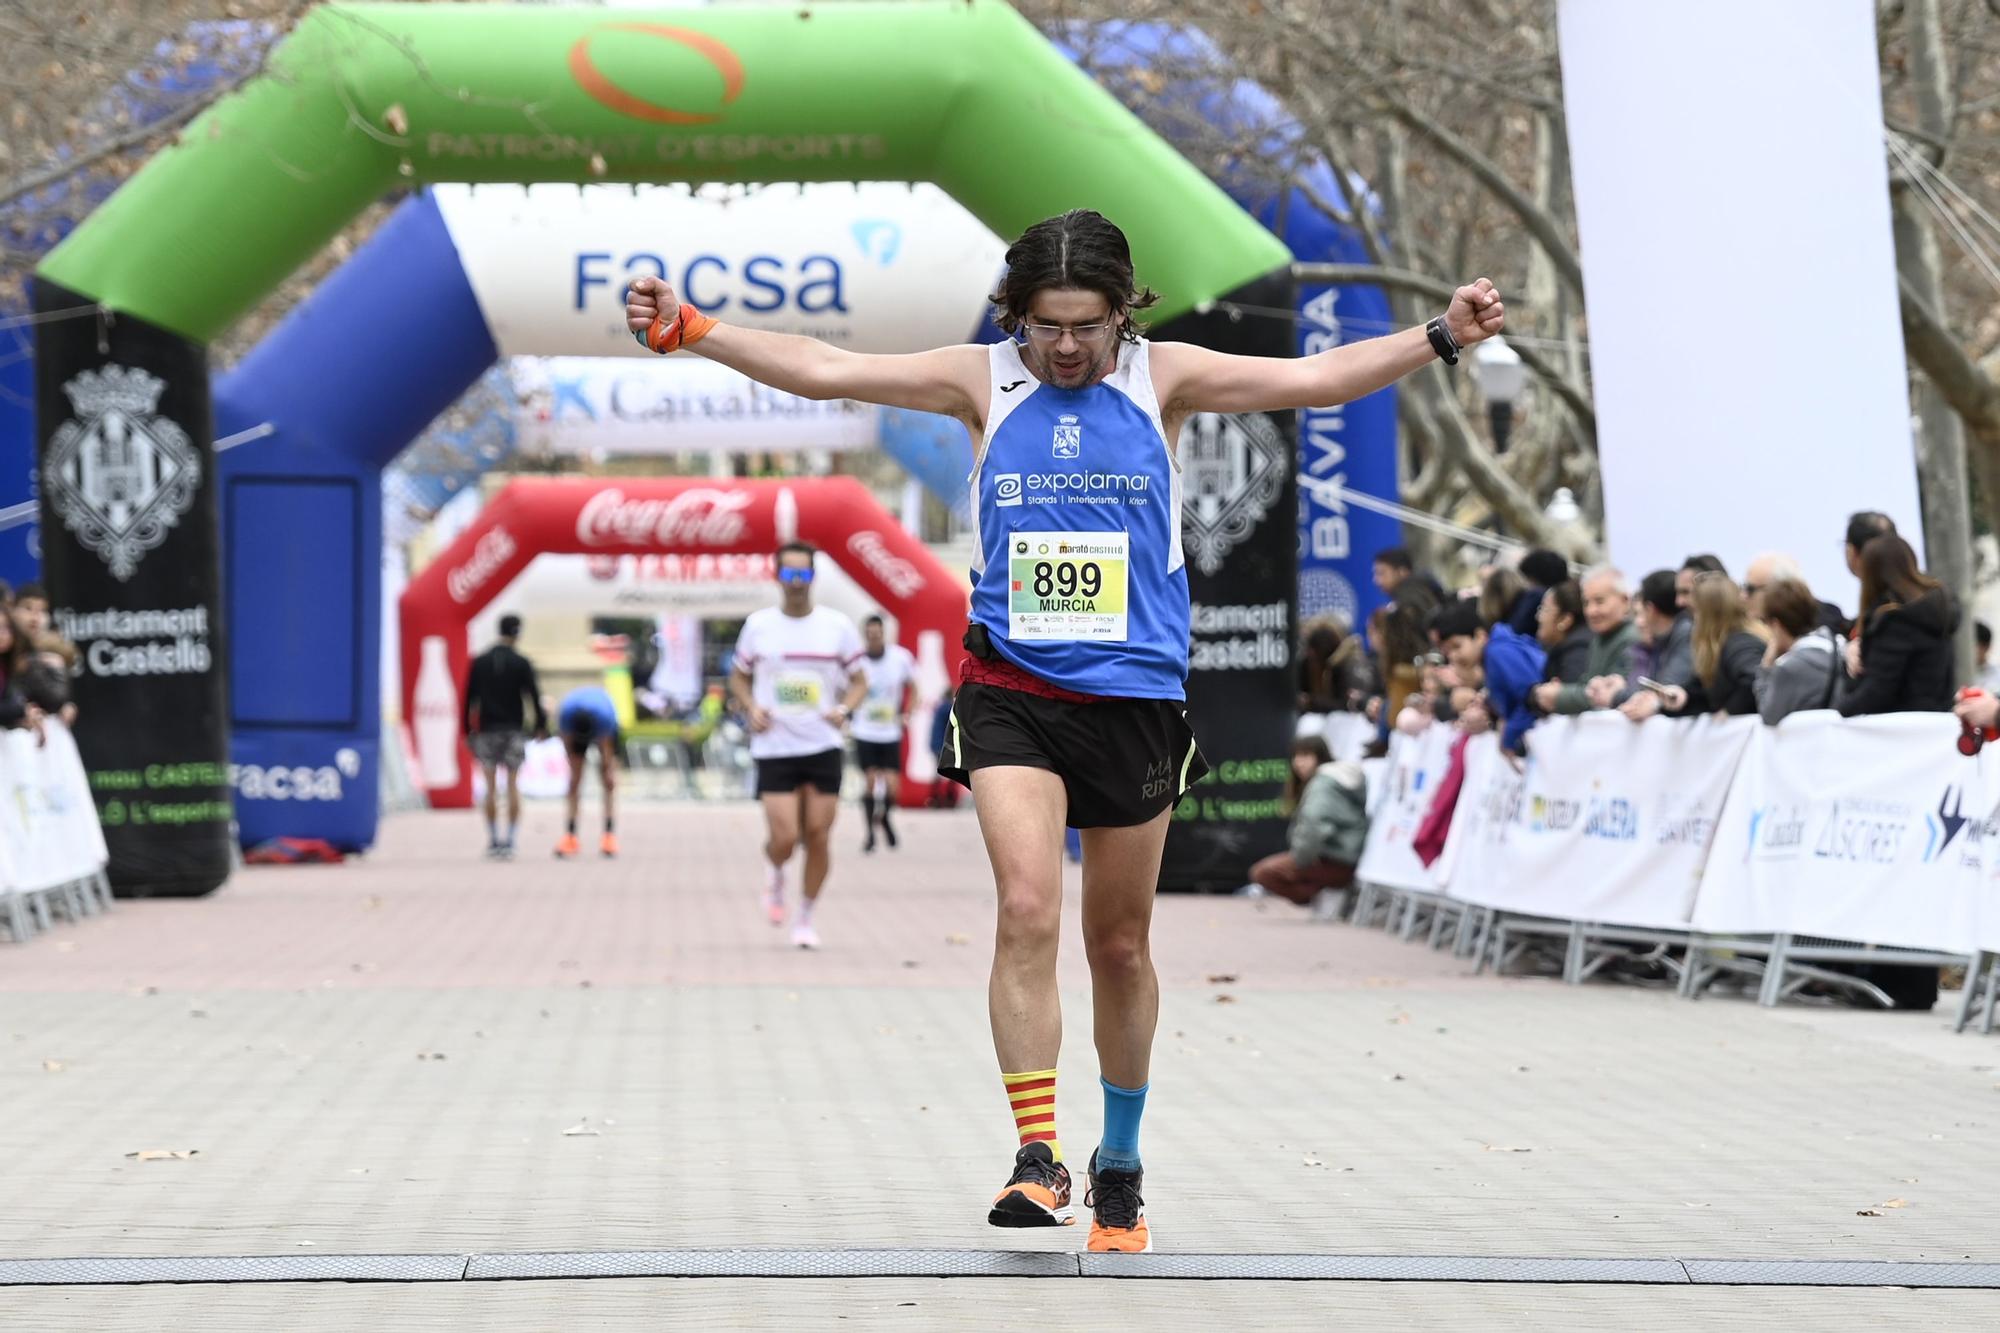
x: 587, y: 720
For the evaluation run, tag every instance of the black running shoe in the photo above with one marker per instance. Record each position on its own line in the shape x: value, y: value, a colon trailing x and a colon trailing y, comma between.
x: 1037, y: 1194
x: 1118, y: 1214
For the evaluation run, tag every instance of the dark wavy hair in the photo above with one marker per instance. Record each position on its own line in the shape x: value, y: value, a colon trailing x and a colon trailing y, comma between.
x: 1082, y: 250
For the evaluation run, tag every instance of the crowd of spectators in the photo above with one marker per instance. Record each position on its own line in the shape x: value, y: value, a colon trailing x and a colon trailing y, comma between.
x: 36, y: 663
x: 1533, y: 641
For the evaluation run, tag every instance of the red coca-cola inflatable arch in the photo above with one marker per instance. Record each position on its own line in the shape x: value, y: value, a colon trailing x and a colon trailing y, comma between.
x: 653, y: 516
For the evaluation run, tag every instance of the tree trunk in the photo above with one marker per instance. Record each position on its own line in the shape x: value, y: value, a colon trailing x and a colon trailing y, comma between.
x: 1941, y: 466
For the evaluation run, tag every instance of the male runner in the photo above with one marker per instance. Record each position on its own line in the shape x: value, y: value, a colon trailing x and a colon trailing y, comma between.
x: 500, y: 687
x: 588, y: 720
x: 878, y: 728
x: 796, y: 679
x: 1070, y: 710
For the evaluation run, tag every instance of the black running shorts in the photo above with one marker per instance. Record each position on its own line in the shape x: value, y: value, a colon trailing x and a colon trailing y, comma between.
x: 1121, y: 760
x: 878, y: 754
x: 776, y: 777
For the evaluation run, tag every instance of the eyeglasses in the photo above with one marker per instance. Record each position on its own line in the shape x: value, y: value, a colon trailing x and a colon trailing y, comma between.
x: 794, y: 576
x: 1050, y: 334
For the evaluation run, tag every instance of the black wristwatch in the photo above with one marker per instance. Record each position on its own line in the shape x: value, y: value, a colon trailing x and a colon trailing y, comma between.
x: 1442, y: 342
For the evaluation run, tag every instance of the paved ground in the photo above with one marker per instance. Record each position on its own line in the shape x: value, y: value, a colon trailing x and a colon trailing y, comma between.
x: 423, y: 1052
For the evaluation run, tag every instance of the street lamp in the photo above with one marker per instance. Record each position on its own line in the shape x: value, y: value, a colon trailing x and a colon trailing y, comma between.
x: 1500, y: 375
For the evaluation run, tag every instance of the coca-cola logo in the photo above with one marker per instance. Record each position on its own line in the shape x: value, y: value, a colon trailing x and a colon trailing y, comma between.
x: 703, y: 516
x: 493, y: 550
x: 901, y: 577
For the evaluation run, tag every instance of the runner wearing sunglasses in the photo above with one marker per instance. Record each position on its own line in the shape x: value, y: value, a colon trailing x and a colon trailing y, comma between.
x: 796, y: 679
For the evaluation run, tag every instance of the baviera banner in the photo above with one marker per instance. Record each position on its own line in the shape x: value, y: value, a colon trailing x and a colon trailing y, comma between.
x: 123, y: 428
x: 1239, y: 530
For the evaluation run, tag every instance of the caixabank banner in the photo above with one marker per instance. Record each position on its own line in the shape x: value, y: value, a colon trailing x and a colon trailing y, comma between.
x: 1239, y: 528
x: 127, y: 491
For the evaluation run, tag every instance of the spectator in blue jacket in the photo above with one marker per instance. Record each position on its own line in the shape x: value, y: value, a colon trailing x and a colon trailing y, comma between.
x: 1511, y: 663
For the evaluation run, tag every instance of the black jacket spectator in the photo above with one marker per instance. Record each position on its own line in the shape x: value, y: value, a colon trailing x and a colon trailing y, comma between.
x: 1560, y: 629
x: 1906, y: 662
x: 1734, y: 688
x: 1725, y: 655
x: 1570, y: 658
x: 1907, y: 621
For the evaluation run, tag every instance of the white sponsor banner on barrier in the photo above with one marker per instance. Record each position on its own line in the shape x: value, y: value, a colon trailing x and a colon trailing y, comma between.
x: 876, y: 267
x: 1869, y: 829
x: 1607, y: 822
x: 49, y: 833
x: 598, y: 405
x: 1413, y: 769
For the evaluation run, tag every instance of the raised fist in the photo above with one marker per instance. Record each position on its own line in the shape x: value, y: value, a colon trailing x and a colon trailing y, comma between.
x: 1475, y: 313
x: 648, y: 299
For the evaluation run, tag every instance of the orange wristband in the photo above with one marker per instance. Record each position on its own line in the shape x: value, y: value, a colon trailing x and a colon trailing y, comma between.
x: 688, y: 327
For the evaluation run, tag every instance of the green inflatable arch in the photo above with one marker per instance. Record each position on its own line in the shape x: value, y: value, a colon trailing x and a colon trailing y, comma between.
x: 362, y: 98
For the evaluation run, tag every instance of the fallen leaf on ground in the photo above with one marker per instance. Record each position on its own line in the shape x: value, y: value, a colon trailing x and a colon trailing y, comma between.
x: 1225, y: 999
x: 1897, y: 1203
x: 164, y: 1154
x: 53, y: 1066
x: 1221, y: 978
x: 581, y: 1128
x: 1494, y: 1147
x: 1313, y: 1161
x: 1866, y: 1212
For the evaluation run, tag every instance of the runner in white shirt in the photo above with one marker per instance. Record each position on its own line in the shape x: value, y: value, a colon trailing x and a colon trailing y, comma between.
x: 797, y: 679
x: 878, y: 728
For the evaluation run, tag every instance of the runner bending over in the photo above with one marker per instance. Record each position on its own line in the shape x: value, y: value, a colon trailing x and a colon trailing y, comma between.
x: 588, y: 720
x: 1070, y: 710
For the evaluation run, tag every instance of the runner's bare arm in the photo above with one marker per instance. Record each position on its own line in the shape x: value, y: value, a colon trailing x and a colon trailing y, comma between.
x: 951, y: 380
x: 740, y: 688
x: 1195, y: 379
x: 857, y: 690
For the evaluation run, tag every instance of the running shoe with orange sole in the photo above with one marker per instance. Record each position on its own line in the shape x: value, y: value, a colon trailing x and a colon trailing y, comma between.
x: 608, y: 845
x: 1118, y: 1214
x: 567, y: 846
x: 1037, y: 1194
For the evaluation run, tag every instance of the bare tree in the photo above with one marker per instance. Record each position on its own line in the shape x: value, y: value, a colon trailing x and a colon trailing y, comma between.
x: 1451, y: 119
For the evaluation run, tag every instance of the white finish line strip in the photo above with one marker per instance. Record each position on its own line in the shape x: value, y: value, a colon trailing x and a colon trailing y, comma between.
x: 992, y: 1263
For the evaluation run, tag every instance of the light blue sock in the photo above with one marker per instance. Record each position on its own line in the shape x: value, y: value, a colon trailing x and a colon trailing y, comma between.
x: 1119, y: 1149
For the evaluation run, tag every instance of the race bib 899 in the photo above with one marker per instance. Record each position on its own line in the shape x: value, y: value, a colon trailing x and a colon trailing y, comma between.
x: 1067, y: 586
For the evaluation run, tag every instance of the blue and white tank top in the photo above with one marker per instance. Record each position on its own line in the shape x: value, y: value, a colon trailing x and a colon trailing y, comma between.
x: 1080, y: 578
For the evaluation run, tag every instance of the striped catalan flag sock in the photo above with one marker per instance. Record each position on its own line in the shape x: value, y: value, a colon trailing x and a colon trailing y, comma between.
x: 1033, y: 1098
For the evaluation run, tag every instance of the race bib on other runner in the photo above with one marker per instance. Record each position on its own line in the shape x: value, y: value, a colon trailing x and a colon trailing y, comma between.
x: 1067, y: 585
x: 880, y: 710
x: 798, y: 690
